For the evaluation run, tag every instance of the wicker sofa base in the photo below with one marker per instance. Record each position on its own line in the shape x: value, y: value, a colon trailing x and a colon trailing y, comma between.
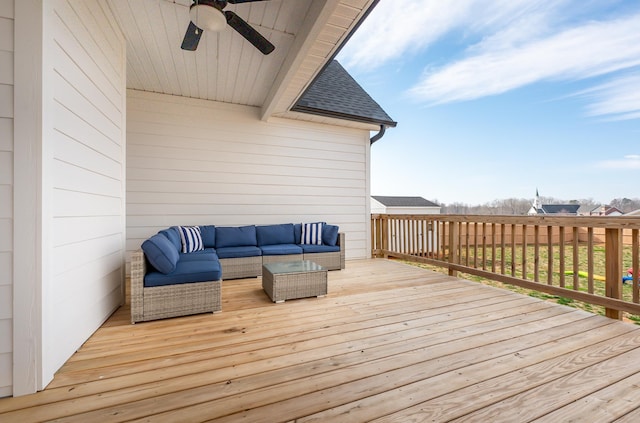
x: 161, y: 302
x: 281, y: 258
x: 242, y: 267
x: 251, y: 267
x: 330, y: 261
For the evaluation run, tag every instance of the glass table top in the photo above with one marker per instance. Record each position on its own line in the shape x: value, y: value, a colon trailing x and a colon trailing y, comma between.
x: 293, y: 267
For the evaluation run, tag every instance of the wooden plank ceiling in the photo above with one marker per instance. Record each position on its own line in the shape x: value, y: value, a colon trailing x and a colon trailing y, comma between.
x: 225, y: 67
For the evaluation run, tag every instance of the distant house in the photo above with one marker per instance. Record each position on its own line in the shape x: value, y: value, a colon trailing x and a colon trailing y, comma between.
x: 605, y: 210
x: 633, y: 213
x: 403, y: 205
x: 427, y: 236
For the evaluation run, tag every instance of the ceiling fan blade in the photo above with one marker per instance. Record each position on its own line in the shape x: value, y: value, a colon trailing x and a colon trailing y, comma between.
x: 247, y: 31
x: 191, y: 37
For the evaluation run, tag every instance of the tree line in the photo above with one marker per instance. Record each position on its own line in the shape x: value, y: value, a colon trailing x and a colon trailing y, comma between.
x: 520, y: 206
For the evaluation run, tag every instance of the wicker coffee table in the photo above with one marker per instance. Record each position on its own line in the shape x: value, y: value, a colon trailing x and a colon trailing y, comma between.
x: 296, y: 279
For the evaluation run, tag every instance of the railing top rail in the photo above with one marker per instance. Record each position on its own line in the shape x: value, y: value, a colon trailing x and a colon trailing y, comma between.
x: 613, y: 222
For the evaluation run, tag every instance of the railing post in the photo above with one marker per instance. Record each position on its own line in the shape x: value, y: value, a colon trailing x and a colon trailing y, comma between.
x: 453, y: 246
x: 613, y: 264
x: 385, y: 236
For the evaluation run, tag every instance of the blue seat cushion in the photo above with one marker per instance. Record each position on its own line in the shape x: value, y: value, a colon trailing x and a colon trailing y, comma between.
x: 186, y: 272
x: 235, y: 236
x: 275, y: 234
x: 173, y: 235
x: 330, y: 234
x: 208, y: 235
x: 206, y: 254
x: 237, y: 252
x: 160, y: 253
x: 313, y: 248
x: 281, y: 249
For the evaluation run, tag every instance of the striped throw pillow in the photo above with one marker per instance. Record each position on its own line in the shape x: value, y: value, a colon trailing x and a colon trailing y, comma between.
x: 312, y: 233
x: 191, y: 238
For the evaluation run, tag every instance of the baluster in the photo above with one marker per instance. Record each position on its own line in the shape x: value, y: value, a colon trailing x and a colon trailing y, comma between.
x: 524, y: 252
x: 561, y: 252
x: 576, y: 258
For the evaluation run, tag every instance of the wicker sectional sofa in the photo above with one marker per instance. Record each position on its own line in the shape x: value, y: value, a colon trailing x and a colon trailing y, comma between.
x: 167, y: 282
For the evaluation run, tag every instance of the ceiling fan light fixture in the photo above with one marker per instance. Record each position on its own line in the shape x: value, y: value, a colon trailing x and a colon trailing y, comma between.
x: 207, y: 17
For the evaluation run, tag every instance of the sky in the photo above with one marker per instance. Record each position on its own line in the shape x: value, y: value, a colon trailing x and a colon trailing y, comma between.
x: 497, y: 98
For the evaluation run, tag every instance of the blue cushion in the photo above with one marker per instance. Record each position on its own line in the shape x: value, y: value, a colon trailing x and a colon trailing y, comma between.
x: 173, y: 235
x: 236, y: 252
x: 297, y: 232
x: 312, y: 233
x: 275, y: 234
x: 280, y: 249
x: 161, y: 253
x: 235, y: 236
x: 186, y: 272
x: 191, y: 238
x: 206, y: 254
x: 330, y: 234
x: 320, y: 248
x: 208, y: 236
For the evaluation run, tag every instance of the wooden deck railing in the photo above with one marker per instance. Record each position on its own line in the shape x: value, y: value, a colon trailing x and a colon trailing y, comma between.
x: 556, y: 255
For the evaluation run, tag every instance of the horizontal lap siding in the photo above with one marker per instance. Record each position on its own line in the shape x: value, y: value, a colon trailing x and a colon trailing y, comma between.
x: 194, y: 162
x: 6, y: 197
x: 87, y: 174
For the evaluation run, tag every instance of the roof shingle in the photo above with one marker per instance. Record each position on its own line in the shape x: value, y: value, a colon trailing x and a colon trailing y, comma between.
x: 334, y: 93
x: 404, y: 201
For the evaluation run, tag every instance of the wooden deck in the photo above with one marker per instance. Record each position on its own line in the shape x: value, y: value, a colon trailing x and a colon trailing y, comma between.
x: 390, y: 343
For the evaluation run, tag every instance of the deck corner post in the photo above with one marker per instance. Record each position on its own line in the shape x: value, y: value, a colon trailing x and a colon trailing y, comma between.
x: 453, y: 246
x: 613, y: 264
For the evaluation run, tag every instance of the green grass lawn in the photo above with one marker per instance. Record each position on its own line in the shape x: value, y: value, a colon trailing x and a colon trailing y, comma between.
x: 598, y: 265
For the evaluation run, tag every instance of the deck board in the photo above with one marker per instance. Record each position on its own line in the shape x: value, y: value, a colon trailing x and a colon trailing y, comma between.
x: 390, y: 343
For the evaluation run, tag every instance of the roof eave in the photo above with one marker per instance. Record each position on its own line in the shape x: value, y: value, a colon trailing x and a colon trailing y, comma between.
x: 344, y: 116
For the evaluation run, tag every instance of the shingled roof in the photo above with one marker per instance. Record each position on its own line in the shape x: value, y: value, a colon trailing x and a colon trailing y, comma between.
x: 559, y: 209
x: 334, y: 93
x: 404, y: 201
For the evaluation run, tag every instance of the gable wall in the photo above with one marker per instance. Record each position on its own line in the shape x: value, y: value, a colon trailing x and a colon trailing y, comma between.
x: 6, y: 197
x: 194, y: 162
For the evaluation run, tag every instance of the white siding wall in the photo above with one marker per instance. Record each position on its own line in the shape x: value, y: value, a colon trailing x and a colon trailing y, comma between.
x: 6, y: 197
x: 84, y: 168
x: 193, y: 162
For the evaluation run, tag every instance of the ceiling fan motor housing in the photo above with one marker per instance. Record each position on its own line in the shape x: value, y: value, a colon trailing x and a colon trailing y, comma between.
x: 208, y: 15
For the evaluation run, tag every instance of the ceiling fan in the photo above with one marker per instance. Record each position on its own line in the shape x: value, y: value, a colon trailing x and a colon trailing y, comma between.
x: 209, y: 15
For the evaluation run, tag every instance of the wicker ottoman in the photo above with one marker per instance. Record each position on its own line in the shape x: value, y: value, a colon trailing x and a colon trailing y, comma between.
x: 297, y: 279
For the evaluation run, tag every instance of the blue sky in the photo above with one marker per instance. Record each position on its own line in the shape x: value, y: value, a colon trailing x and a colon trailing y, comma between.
x: 495, y: 98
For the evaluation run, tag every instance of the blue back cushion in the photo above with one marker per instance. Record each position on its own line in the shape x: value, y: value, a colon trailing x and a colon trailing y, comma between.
x: 330, y: 234
x: 236, y: 236
x: 297, y: 232
x: 161, y: 253
x: 275, y: 234
x: 208, y: 235
x: 173, y: 235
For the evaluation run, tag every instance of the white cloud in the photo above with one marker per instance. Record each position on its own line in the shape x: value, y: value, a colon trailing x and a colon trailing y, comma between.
x: 631, y: 161
x: 393, y: 30
x: 397, y: 29
x: 592, y: 49
x: 618, y: 99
